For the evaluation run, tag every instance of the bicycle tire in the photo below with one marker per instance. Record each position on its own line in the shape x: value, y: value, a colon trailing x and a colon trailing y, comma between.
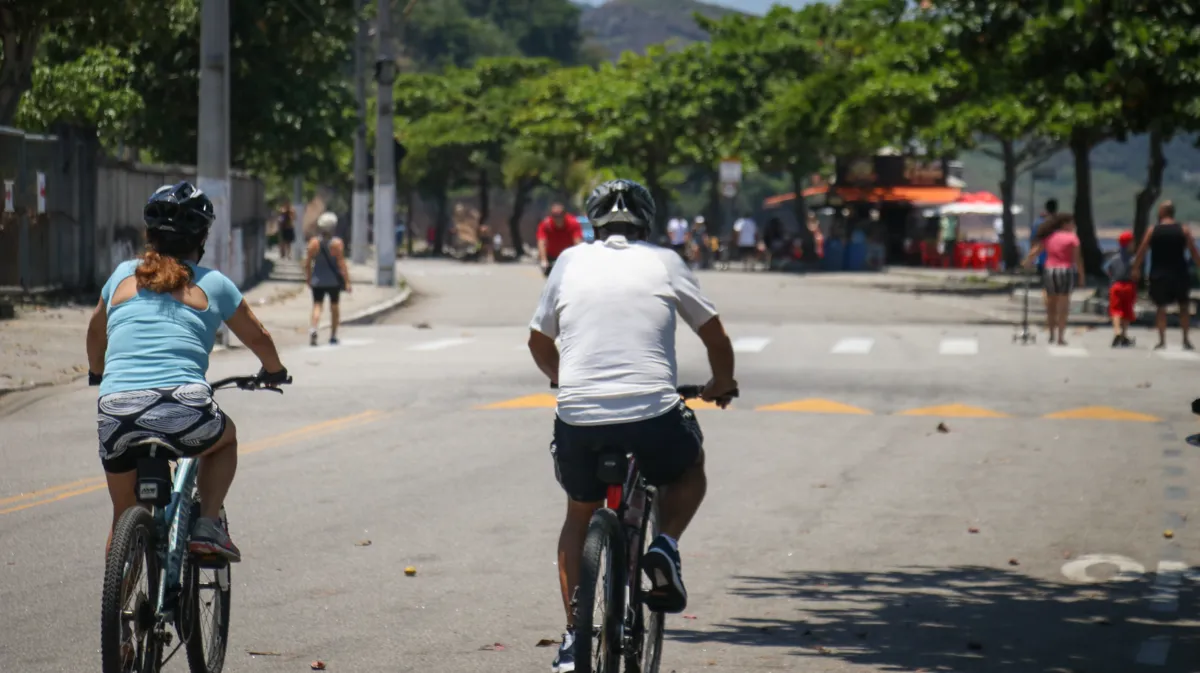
x: 190, y: 624
x: 656, y: 623
x: 135, y: 524
x: 605, y: 542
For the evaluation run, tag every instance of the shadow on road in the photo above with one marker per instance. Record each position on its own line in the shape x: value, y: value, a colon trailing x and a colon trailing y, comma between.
x: 948, y: 619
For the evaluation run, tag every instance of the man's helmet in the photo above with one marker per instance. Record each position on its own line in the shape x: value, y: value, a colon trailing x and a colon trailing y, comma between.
x: 180, y: 212
x: 620, y: 201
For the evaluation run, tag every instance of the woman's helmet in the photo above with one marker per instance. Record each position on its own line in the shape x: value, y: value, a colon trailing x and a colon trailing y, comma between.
x: 179, y: 212
x: 620, y: 201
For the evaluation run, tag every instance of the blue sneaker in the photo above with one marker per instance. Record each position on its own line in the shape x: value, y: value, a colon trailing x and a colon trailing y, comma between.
x: 661, y: 565
x: 565, y: 661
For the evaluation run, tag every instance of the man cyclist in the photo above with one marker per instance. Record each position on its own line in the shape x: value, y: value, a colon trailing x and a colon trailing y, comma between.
x: 612, y: 305
x: 147, y: 345
x: 559, y: 231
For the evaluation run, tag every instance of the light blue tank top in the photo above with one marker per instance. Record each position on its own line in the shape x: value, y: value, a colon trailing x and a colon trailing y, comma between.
x: 154, y: 341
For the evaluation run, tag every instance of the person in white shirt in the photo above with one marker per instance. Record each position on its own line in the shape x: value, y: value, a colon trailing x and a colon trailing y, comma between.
x: 746, y: 232
x: 612, y: 306
x: 678, y: 235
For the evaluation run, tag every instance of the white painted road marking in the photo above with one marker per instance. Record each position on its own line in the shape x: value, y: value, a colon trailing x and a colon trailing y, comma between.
x: 750, y: 344
x: 853, y: 346
x: 440, y: 344
x: 1068, y: 352
x: 1164, y: 597
x: 959, y: 347
x: 1153, y: 651
x: 1176, y: 355
x: 342, y: 343
x: 1127, y: 569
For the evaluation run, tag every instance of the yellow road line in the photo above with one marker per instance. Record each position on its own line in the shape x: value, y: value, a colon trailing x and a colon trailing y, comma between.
x: 53, y: 494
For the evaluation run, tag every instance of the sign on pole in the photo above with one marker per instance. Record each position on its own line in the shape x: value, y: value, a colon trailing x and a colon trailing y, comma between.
x: 729, y: 190
x: 731, y: 172
x: 8, y: 197
x: 41, y: 192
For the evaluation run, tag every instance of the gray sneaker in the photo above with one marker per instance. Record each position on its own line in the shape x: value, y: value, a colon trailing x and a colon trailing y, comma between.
x: 210, y: 537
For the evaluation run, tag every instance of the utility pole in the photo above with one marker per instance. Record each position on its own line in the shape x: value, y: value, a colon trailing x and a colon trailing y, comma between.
x: 385, y: 167
x: 213, y: 138
x: 298, y: 224
x: 361, y: 200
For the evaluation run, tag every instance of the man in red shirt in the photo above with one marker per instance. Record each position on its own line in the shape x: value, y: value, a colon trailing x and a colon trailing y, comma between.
x: 559, y: 231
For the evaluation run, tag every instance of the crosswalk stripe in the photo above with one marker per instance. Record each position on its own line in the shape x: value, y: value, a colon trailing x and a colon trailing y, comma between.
x: 1068, y: 351
x: 439, y: 344
x: 750, y: 344
x: 1177, y: 355
x: 853, y: 346
x: 959, y: 347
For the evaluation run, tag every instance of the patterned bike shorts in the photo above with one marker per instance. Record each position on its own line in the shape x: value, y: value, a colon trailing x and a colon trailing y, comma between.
x: 185, y: 417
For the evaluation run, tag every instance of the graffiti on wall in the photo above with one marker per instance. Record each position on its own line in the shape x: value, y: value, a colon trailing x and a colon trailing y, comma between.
x: 125, y: 245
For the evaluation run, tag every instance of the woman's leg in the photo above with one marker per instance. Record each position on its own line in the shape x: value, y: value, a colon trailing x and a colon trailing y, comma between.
x: 1064, y: 310
x: 217, y: 467
x: 1185, y: 320
x: 1160, y: 321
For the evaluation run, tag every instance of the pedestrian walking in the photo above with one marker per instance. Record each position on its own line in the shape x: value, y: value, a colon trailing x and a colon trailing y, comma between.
x: 327, y: 275
x: 1122, y: 292
x: 1170, y: 281
x: 745, y: 233
x: 1064, y: 259
x: 287, y: 230
x: 677, y: 234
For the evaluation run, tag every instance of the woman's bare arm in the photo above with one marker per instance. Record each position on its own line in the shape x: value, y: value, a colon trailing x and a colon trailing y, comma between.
x: 97, y: 338
x: 251, y: 332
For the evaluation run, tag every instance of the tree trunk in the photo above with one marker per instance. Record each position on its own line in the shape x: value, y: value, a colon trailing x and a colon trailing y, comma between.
x: 16, y: 65
x: 1082, y: 142
x: 485, y: 203
x: 520, y: 201
x: 409, y: 203
x: 800, y: 209
x: 653, y: 183
x: 1008, y: 188
x: 1153, y: 189
x: 712, y: 212
x: 441, y: 218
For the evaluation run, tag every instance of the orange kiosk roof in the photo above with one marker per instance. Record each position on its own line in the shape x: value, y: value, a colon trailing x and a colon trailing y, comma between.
x: 924, y: 196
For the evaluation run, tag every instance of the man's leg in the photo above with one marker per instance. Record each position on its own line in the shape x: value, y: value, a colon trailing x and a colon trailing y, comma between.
x: 335, y: 313
x: 570, y: 550
x: 679, y: 501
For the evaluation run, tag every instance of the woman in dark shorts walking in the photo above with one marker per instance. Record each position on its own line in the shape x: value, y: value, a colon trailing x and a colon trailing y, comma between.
x: 1170, y: 281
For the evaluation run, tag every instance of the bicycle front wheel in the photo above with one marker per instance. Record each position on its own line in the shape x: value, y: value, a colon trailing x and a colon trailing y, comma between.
x: 655, y: 621
x: 600, y: 596
x: 204, y: 617
x: 127, y: 607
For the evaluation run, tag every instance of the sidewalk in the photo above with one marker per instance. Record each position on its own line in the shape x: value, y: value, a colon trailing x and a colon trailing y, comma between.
x: 45, y: 345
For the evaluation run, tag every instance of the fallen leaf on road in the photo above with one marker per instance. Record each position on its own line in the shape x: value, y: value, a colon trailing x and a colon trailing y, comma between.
x: 974, y: 646
x: 422, y: 325
x: 712, y: 662
x: 941, y: 427
x: 318, y: 665
x: 1144, y: 385
x: 972, y: 530
x: 1013, y: 562
x: 689, y: 616
x: 263, y: 654
x: 1168, y: 533
x: 822, y: 485
x: 493, y: 647
x: 410, y: 571
x: 547, y: 642
x: 363, y: 543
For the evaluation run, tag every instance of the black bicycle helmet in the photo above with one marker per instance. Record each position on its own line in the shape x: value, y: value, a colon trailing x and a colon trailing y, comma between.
x: 620, y: 201
x: 179, y: 212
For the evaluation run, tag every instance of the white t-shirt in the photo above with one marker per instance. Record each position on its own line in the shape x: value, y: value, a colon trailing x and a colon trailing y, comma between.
x: 611, y: 305
x: 677, y: 230
x: 747, y: 232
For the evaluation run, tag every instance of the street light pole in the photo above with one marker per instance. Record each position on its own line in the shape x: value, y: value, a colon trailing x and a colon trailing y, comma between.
x: 361, y: 199
x: 212, y: 151
x: 385, y: 168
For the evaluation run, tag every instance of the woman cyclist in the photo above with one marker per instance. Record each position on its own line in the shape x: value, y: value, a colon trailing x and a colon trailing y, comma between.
x: 148, y: 344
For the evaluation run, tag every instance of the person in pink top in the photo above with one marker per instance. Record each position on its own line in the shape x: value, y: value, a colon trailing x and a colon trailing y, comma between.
x: 1056, y: 236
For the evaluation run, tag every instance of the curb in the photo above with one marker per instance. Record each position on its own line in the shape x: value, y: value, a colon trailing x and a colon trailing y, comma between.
x: 369, y: 314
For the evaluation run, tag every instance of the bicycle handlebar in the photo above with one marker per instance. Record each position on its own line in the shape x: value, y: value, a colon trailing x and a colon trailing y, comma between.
x: 691, y: 392
x: 246, y: 383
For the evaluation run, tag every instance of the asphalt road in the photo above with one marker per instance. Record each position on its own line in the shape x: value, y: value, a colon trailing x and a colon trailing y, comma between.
x: 843, y: 531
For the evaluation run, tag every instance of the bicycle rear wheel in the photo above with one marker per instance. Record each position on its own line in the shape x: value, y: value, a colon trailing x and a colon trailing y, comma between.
x: 127, y: 641
x: 655, y: 622
x: 204, y: 614
x: 600, y: 596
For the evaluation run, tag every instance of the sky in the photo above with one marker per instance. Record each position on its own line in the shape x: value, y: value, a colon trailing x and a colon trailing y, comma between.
x: 748, y: 6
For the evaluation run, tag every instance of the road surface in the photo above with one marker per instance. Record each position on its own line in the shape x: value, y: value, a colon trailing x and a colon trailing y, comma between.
x: 843, y: 532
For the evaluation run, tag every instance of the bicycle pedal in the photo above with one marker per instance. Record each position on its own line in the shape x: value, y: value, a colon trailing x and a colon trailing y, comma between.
x: 210, y: 561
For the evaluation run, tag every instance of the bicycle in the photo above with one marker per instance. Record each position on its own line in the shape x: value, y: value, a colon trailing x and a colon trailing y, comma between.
x: 621, y: 525
x: 133, y: 638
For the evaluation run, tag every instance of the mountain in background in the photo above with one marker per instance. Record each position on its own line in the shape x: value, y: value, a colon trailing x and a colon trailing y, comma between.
x: 633, y: 25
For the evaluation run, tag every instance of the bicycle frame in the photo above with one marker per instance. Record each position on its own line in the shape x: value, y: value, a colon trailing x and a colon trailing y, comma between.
x: 619, y: 499
x: 174, y: 521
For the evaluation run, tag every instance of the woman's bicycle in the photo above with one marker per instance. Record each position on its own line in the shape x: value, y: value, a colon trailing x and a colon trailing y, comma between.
x: 611, y: 619
x: 183, y: 591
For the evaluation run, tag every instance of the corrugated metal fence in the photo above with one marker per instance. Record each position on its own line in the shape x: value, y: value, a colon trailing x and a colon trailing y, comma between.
x: 89, y: 218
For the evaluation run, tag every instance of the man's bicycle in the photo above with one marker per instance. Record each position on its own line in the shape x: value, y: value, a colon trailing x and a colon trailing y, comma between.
x: 183, y: 591
x: 611, y: 619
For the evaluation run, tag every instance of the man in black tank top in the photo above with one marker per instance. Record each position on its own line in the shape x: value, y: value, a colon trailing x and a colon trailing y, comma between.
x: 1170, y: 280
